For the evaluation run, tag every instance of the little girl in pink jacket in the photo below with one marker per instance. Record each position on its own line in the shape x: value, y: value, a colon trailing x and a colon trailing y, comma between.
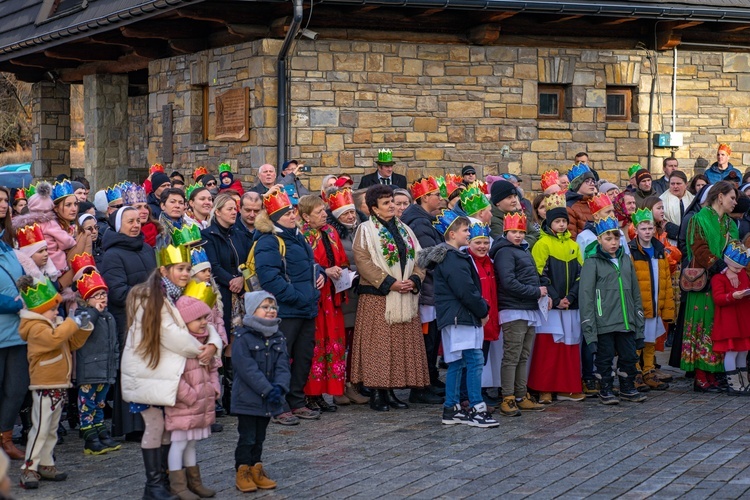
x: 59, y: 240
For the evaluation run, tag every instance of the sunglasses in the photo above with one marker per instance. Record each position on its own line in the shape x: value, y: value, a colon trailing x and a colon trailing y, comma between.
x: 210, y: 183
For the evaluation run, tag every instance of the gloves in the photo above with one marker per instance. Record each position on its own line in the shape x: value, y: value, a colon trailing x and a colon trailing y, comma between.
x: 275, y: 395
x: 639, y: 344
x: 592, y: 347
x: 83, y: 319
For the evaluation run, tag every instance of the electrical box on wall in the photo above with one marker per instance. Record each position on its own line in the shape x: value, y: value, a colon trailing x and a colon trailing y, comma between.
x: 668, y: 140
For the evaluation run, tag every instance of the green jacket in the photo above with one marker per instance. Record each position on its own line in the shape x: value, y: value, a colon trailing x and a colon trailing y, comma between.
x: 609, y: 298
x: 496, y: 226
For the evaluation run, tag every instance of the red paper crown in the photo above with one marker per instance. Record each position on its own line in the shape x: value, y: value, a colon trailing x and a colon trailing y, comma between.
x: 275, y: 201
x: 483, y: 187
x: 156, y: 167
x: 20, y: 194
x: 340, y: 199
x: 199, y: 172
x: 28, y: 235
x: 423, y: 187
x: 452, y: 183
x: 515, y: 221
x: 81, y: 263
x: 599, y: 202
x: 90, y: 283
x: 549, y: 179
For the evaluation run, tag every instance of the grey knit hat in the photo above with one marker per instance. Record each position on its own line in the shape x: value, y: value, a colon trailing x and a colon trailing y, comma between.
x: 253, y: 300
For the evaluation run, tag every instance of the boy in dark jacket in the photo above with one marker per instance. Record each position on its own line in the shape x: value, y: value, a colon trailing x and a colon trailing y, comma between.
x: 96, y: 365
x: 261, y: 379
x: 518, y: 292
x: 612, y: 318
x: 461, y: 314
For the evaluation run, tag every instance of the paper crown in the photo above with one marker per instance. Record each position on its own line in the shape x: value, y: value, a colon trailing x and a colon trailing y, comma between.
x: 444, y: 220
x: 224, y: 167
x: 275, y: 201
x: 82, y: 263
x: 424, y: 186
x: 577, y: 171
x: 473, y: 200
x: 199, y: 259
x: 41, y: 297
x: 482, y: 186
x: 549, y: 179
x: 478, y: 230
x: 134, y: 194
x: 737, y: 253
x: 188, y: 234
x: 635, y: 167
x: 514, y: 222
x: 448, y: 184
x: 385, y: 156
x: 642, y: 215
x: 20, y: 194
x: 602, y: 226
x: 90, y: 283
x: 192, y: 187
x: 199, y: 172
x: 172, y: 254
x: 30, y: 191
x: 29, y: 235
x: 599, y: 202
x: 114, y: 195
x: 554, y: 201
x: 340, y: 199
x: 62, y: 189
x: 156, y: 167
x: 202, y: 291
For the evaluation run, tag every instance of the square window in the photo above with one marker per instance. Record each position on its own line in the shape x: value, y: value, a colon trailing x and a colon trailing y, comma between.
x: 551, y: 102
x: 619, y: 103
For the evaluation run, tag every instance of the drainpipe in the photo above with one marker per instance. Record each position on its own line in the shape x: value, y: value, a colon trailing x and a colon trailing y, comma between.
x: 282, y: 85
x: 674, y: 90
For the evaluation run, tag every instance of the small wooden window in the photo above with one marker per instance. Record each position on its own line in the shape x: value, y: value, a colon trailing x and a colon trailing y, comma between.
x: 619, y: 103
x: 551, y: 102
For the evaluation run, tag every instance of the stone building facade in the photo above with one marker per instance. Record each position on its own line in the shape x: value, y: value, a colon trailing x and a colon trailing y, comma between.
x: 439, y: 106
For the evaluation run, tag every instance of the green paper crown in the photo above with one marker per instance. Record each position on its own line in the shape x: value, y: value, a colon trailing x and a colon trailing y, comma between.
x: 192, y: 187
x: 473, y: 200
x: 385, y: 156
x: 635, y: 167
x: 31, y: 190
x: 39, y: 296
x: 642, y: 215
x: 441, y: 184
x: 188, y: 235
x: 225, y: 167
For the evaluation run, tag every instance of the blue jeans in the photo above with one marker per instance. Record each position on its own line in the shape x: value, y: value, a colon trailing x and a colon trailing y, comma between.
x: 473, y: 361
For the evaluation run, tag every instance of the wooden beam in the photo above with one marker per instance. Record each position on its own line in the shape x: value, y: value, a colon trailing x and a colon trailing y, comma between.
x: 188, y: 45
x: 85, y: 52
x: 219, y: 13
x: 686, y: 24
x: 41, y: 61
x: 165, y: 30
x: 484, y: 34
x: 499, y: 16
x: 734, y: 28
x: 125, y: 64
x: 428, y: 13
x: 279, y: 27
x: 667, y: 39
x: 564, y: 19
x: 248, y: 30
x: 615, y: 22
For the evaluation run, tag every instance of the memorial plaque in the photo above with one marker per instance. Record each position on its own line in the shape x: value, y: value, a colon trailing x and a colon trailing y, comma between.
x: 233, y: 115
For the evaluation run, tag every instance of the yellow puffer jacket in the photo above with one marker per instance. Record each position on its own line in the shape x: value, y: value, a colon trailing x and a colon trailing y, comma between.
x: 642, y: 263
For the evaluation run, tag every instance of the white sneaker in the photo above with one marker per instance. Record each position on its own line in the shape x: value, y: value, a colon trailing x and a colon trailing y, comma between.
x: 478, y: 417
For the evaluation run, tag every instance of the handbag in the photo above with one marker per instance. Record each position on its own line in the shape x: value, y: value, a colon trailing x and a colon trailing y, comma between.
x: 693, y: 279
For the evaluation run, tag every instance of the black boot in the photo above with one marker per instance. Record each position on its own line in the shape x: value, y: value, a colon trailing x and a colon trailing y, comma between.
x: 379, y: 400
x: 365, y: 391
x: 628, y: 392
x: 106, y: 439
x: 606, y: 396
x: 394, y: 402
x: 424, y: 396
x: 226, y: 398
x: 155, y: 490
x: 93, y: 446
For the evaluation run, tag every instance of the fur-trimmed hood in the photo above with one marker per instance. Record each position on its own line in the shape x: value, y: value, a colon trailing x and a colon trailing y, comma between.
x: 32, y: 218
x: 33, y: 270
x: 264, y: 224
x: 430, y: 257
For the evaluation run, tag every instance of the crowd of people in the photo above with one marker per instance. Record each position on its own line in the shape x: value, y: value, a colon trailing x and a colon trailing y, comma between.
x: 166, y: 304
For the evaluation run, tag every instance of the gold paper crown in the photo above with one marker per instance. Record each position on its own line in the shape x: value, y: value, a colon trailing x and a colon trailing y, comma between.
x: 171, y: 254
x: 201, y: 291
x: 555, y: 201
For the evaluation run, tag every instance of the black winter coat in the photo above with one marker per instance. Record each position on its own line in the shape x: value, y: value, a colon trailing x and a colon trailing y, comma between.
x: 458, y: 291
x: 127, y: 262
x: 99, y: 358
x: 154, y: 204
x: 517, y: 280
x: 420, y: 222
x: 259, y: 363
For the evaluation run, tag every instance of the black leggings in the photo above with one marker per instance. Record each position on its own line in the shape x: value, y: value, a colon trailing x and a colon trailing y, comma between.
x: 14, y: 383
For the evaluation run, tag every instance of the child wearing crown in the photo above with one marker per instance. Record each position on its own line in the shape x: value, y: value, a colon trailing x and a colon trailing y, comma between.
x: 518, y: 292
x: 32, y: 253
x: 556, y: 361
x: 50, y: 341
x: 655, y: 281
x: 731, y: 330
x: 611, y: 313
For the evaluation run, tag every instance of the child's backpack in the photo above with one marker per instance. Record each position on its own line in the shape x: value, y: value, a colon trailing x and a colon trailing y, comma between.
x: 252, y: 283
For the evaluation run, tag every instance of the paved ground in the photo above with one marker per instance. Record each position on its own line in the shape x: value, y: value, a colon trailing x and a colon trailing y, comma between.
x: 676, y: 444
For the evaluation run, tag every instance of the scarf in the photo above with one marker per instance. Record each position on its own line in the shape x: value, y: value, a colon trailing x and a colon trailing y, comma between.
x: 266, y: 327
x: 382, y: 246
x: 716, y: 231
x: 173, y: 291
x: 672, y: 206
x: 486, y: 272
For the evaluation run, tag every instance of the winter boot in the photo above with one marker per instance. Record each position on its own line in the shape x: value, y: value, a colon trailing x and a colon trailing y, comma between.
x: 719, y: 380
x: 606, y: 396
x: 509, y: 408
x: 260, y: 478
x: 154, y: 489
x: 396, y: 403
x: 106, y: 439
x: 9, y: 448
x: 628, y: 392
x: 195, y: 484
x: 528, y: 403
x: 734, y: 383
x: 178, y: 485
x: 701, y: 382
x: 243, y: 479
x: 93, y: 446
x: 744, y: 381
x: 29, y: 479
x: 654, y: 382
x: 640, y: 384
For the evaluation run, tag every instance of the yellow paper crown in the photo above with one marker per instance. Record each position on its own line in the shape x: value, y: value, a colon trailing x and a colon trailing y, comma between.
x: 171, y: 254
x: 201, y: 291
x: 555, y: 201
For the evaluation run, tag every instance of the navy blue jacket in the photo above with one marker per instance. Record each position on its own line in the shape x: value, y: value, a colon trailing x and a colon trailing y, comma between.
x: 259, y: 364
x: 154, y: 204
x: 515, y: 272
x: 98, y: 359
x: 420, y: 222
x: 291, y: 280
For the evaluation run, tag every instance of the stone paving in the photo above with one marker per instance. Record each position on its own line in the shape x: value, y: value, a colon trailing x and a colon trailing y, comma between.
x: 678, y: 444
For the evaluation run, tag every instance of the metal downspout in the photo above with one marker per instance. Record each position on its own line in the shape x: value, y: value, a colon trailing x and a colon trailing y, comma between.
x: 282, y: 85
x: 674, y: 90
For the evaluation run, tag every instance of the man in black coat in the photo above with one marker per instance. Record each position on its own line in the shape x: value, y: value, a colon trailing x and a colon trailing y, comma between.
x: 384, y: 174
x: 661, y: 185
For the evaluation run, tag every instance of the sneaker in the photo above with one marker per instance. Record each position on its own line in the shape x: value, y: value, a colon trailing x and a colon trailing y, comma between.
x: 633, y: 397
x: 545, y: 398
x: 454, y: 415
x: 29, y: 479
x: 528, y: 403
x: 50, y: 473
x: 285, y: 418
x: 509, y: 408
x: 607, y: 397
x: 478, y: 417
x: 590, y: 388
x: 570, y: 396
x: 306, y: 413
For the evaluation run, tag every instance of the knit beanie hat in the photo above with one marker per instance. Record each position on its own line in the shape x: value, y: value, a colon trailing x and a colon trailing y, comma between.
x: 641, y: 175
x: 743, y: 205
x: 191, y: 308
x: 205, y: 179
x: 279, y: 214
x: 158, y: 179
x: 556, y: 213
x: 253, y: 300
x: 500, y: 190
x: 606, y: 186
x: 576, y: 183
x: 100, y: 201
x: 225, y: 175
x: 41, y: 201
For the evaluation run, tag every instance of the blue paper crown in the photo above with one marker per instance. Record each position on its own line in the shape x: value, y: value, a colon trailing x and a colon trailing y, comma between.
x: 478, y: 230
x: 444, y: 220
x: 602, y: 226
x: 577, y: 171
x: 62, y: 189
x: 198, y: 256
x: 133, y: 194
x: 114, y: 193
x: 737, y: 254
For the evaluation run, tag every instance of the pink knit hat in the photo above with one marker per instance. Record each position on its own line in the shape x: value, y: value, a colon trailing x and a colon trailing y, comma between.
x: 191, y: 308
x: 41, y: 201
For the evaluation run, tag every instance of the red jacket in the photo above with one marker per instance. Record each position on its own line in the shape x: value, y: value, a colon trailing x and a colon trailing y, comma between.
x: 486, y: 271
x: 236, y: 185
x: 730, y: 324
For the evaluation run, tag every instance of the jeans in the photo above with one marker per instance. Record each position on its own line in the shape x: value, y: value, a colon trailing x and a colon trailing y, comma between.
x: 621, y: 344
x: 300, y: 343
x: 473, y: 361
x: 587, y: 361
x: 14, y: 382
x: 252, y: 432
x: 518, y: 337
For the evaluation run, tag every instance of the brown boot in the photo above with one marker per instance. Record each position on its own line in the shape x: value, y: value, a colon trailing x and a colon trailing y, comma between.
x: 653, y: 381
x: 640, y: 384
x: 9, y: 448
x: 195, y: 484
x: 354, y: 396
x: 178, y: 485
x: 260, y: 478
x: 243, y: 480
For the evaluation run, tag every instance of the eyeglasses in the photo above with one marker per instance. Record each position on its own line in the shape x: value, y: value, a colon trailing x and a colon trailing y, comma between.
x: 269, y: 308
x: 210, y: 183
x: 99, y: 296
x: 589, y: 181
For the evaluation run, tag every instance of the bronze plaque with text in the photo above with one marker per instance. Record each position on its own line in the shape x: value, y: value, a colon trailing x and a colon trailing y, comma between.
x: 233, y: 115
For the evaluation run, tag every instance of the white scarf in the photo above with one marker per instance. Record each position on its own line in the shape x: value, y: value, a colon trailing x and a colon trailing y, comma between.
x: 399, y: 307
x: 672, y: 205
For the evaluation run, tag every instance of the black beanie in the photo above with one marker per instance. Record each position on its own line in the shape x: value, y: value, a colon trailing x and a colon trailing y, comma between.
x: 158, y: 179
x: 556, y: 213
x: 205, y: 179
x: 279, y: 214
x: 224, y: 175
x: 501, y: 190
x: 743, y: 205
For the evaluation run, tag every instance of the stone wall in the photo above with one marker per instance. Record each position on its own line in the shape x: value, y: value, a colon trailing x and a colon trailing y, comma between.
x: 138, y: 133
x: 50, y: 128
x: 441, y: 106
